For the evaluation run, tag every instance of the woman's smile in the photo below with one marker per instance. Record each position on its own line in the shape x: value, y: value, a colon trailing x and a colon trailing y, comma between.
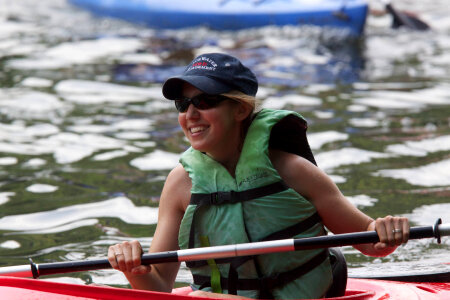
x: 197, y: 129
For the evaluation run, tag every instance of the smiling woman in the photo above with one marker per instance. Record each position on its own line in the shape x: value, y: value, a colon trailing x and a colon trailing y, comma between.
x: 248, y: 176
x: 56, y: 109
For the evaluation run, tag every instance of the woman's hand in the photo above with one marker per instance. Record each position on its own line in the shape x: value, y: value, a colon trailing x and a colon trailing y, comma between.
x: 392, y: 231
x: 126, y: 257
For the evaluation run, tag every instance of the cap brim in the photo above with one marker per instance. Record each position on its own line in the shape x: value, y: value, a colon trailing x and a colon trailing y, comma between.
x: 173, y: 87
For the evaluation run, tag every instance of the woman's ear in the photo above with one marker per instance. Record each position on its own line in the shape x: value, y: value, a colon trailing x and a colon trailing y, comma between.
x: 242, y: 111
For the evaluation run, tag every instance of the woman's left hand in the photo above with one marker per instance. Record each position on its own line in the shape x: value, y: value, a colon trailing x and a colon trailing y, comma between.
x: 392, y: 231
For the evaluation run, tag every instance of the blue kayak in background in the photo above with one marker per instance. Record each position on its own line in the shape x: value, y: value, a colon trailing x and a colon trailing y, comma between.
x: 233, y: 14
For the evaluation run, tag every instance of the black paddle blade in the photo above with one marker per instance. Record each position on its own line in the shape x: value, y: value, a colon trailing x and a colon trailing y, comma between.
x: 402, y: 19
x: 431, y: 277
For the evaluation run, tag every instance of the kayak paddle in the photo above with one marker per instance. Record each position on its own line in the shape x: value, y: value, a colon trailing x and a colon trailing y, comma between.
x: 215, y: 252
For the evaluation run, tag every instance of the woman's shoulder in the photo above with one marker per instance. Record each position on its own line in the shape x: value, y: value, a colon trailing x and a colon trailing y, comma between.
x: 179, y: 178
x: 178, y: 185
x: 290, y: 165
x: 178, y: 174
x: 283, y: 158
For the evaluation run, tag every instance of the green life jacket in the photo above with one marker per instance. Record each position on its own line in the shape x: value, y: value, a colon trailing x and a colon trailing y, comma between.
x: 255, y: 205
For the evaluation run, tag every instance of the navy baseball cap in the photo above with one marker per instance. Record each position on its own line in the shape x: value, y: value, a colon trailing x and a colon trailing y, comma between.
x: 213, y: 74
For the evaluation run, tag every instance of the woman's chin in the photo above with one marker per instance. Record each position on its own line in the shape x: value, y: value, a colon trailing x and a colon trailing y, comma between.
x: 198, y: 147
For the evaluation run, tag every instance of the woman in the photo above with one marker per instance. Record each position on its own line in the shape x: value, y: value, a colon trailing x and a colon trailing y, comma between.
x: 247, y: 177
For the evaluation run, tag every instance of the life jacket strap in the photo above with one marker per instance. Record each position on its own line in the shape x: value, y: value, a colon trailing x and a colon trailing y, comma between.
x: 232, y: 197
x: 220, y: 198
x: 285, y: 233
x: 266, y: 284
x: 295, y: 229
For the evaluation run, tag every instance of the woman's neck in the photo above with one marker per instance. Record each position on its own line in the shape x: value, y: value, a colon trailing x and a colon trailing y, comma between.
x: 228, y: 154
x: 230, y: 162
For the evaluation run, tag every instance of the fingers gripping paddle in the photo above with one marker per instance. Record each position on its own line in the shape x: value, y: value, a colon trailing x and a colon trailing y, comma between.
x: 247, y: 249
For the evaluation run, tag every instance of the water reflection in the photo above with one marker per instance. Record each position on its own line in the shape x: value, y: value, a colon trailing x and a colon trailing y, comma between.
x: 345, y: 156
x: 288, y: 56
x: 435, y: 174
x: 121, y: 207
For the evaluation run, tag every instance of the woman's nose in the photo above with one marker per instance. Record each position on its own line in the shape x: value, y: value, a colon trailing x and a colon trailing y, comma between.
x: 192, y: 112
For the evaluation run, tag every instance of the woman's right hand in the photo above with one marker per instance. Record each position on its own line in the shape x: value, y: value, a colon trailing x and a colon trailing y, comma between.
x: 126, y: 257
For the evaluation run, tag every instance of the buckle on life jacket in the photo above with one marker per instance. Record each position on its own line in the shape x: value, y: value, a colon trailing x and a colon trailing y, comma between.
x: 221, y: 197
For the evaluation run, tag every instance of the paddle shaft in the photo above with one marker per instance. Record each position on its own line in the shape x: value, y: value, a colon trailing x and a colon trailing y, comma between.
x: 215, y: 252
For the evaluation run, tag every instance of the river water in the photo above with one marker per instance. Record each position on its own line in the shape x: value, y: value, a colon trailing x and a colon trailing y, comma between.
x: 86, y: 139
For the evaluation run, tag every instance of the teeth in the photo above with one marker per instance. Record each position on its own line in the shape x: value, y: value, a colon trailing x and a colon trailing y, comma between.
x: 197, y: 129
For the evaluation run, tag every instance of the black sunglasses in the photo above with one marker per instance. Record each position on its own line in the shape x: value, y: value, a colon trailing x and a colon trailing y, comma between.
x: 202, y: 101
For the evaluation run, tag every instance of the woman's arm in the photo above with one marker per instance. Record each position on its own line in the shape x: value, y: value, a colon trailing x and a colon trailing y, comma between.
x: 337, y: 213
x: 126, y: 256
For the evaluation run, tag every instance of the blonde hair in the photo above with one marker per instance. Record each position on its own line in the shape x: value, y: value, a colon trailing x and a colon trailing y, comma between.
x: 243, y: 98
x: 246, y: 100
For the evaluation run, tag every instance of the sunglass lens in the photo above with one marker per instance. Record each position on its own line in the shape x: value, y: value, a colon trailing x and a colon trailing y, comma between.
x: 182, y: 105
x: 201, y: 101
